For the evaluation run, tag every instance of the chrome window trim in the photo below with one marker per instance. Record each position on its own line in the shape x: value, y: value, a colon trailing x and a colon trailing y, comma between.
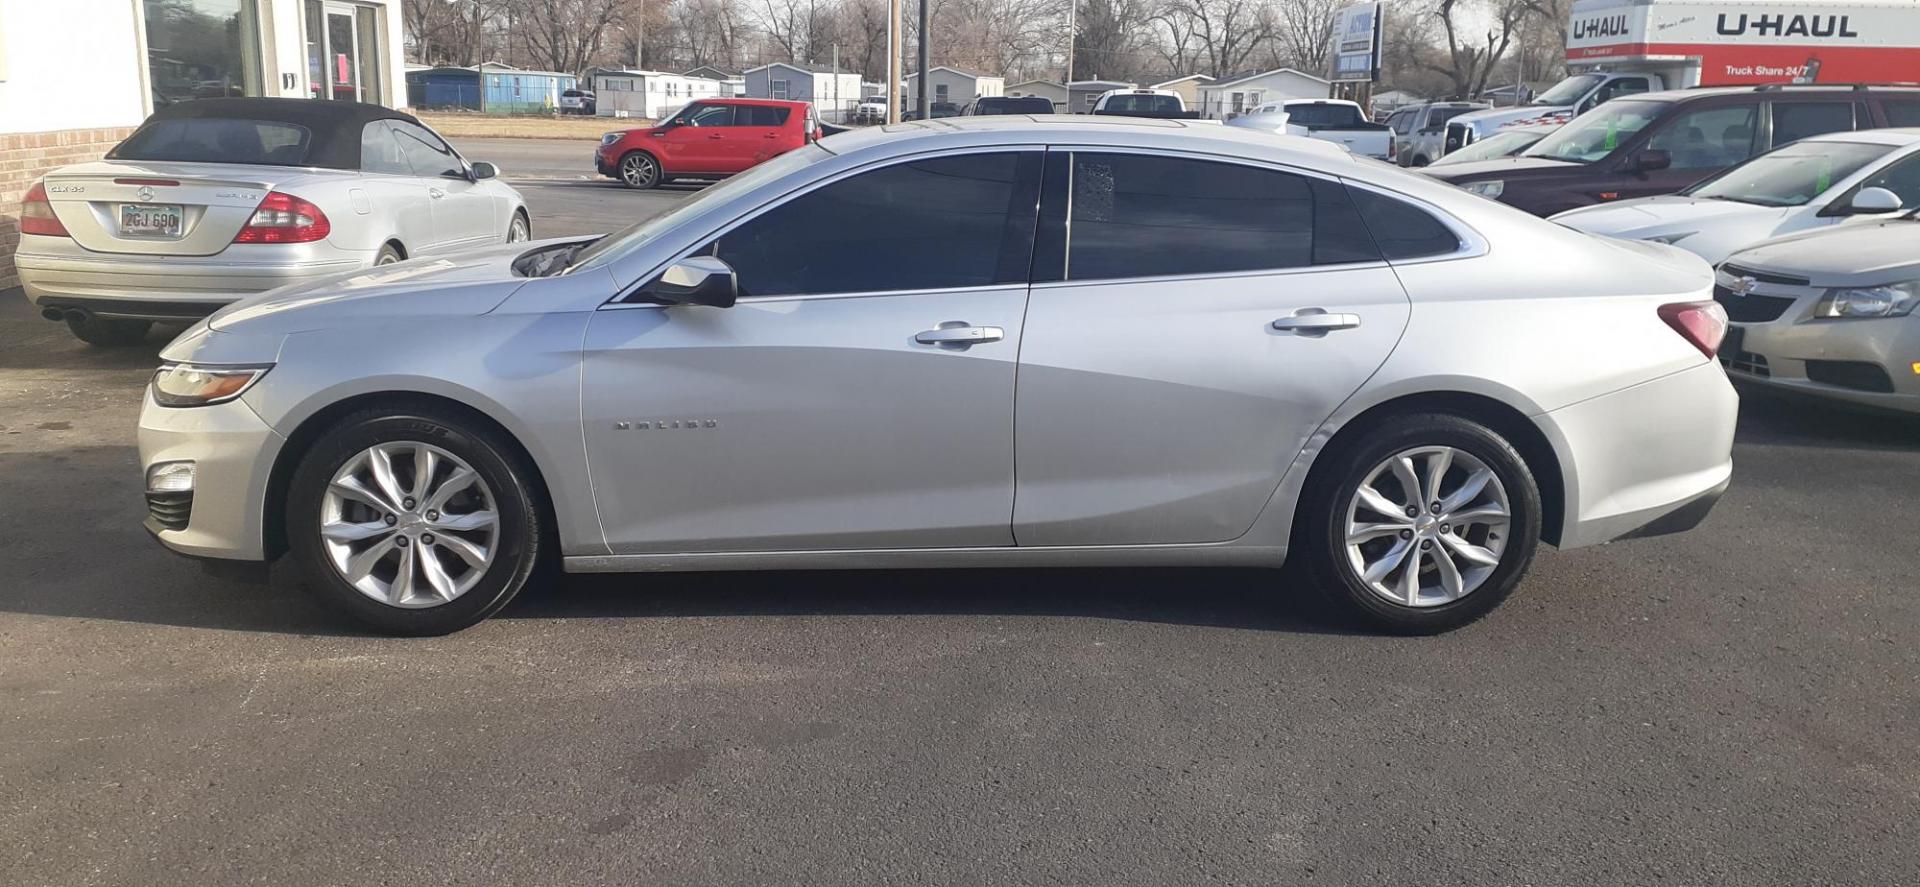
x: 619, y: 299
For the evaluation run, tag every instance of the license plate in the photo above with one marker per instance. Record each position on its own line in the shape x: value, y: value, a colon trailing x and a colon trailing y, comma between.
x: 150, y: 220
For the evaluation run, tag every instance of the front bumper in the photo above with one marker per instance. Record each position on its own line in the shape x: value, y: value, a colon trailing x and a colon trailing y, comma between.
x: 1645, y: 461
x: 56, y: 272
x: 1868, y: 362
x: 233, y: 451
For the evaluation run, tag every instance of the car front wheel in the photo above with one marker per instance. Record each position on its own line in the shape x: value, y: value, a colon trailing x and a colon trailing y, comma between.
x: 414, y: 522
x: 639, y: 170
x: 1425, y: 524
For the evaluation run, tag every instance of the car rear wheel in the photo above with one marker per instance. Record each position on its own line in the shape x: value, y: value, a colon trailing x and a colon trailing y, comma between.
x: 520, y: 230
x: 414, y: 522
x: 109, y: 333
x: 1423, y: 526
x: 639, y: 170
x: 388, y: 255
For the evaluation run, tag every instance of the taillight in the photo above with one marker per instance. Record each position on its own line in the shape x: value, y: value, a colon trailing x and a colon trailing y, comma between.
x: 1702, y: 323
x: 36, y: 214
x: 284, y: 218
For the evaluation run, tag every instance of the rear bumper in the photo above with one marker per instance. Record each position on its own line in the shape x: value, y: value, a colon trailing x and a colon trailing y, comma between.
x: 56, y: 272
x: 1646, y: 461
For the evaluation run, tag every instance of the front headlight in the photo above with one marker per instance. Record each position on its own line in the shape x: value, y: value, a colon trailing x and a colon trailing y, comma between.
x: 611, y: 137
x: 1670, y: 239
x: 188, y: 385
x: 1488, y: 190
x: 1891, y: 300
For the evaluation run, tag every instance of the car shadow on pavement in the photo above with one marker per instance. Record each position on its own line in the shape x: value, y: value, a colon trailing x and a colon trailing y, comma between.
x: 1775, y: 419
x: 1262, y: 600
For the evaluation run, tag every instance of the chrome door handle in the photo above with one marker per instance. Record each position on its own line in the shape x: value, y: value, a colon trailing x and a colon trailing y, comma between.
x: 960, y: 335
x: 436, y: 193
x: 1315, y: 322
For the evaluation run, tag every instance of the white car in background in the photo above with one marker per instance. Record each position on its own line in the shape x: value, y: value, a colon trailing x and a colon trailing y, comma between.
x: 1802, y: 186
x: 1329, y: 120
x: 213, y: 200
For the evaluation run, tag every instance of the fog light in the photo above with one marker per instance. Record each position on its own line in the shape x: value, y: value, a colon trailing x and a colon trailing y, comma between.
x: 170, y: 477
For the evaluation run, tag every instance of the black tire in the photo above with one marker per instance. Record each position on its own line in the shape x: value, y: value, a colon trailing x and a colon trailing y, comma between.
x: 1319, y: 544
x: 1420, y: 161
x: 524, y: 227
x: 388, y: 255
x: 638, y: 170
x: 109, y: 333
x: 516, y: 504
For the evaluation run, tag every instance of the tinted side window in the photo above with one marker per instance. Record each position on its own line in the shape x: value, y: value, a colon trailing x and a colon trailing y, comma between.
x: 1709, y: 138
x: 380, y: 151
x: 760, y: 115
x: 706, y: 115
x: 1402, y: 230
x: 931, y: 224
x: 1140, y: 216
x: 425, y: 153
x: 1797, y: 120
x: 1901, y: 113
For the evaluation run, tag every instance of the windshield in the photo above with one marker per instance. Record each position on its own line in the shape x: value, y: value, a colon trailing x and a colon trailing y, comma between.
x: 1322, y: 114
x: 1493, y: 147
x: 1790, y: 176
x: 1598, y: 132
x: 611, y: 247
x: 218, y: 140
x: 1143, y: 104
x: 1568, y: 91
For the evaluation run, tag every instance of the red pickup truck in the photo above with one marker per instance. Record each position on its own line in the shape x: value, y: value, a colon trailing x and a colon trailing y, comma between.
x: 707, y: 139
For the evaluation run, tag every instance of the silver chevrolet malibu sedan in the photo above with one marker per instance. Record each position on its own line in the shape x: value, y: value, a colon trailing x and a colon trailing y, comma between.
x: 998, y: 341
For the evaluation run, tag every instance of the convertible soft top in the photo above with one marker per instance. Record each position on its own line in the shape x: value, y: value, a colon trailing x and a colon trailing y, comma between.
x: 333, y: 128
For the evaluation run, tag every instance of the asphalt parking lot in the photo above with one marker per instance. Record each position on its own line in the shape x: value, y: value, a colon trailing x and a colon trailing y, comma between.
x: 1732, y: 706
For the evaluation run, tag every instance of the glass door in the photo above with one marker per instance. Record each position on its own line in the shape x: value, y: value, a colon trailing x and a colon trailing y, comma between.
x: 340, y: 54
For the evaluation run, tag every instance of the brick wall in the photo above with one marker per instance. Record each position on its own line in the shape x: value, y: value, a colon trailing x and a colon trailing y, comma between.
x: 24, y: 158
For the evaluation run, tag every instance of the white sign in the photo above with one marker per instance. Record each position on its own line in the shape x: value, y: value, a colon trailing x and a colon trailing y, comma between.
x: 1356, y: 42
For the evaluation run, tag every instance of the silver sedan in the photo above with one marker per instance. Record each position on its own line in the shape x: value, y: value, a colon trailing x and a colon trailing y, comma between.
x: 213, y: 200
x: 998, y: 341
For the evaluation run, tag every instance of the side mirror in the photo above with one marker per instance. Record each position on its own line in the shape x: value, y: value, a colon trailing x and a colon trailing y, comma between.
x: 483, y: 170
x: 1873, y: 200
x: 695, y: 280
x: 1651, y: 160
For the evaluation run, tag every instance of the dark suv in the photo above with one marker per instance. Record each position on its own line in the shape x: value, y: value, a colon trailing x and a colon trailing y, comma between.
x: 1008, y: 104
x: 1660, y: 142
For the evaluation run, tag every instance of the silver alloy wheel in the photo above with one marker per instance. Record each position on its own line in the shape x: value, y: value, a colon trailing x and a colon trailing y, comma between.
x: 639, y: 170
x: 517, y: 232
x: 387, y: 258
x: 409, y: 524
x: 1427, y: 526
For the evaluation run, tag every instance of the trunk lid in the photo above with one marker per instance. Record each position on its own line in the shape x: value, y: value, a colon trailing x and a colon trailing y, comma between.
x: 214, y: 201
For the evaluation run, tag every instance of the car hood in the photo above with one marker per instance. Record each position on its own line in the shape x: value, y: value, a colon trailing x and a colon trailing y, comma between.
x: 1494, y: 117
x: 1659, y: 215
x: 1500, y: 168
x: 1851, y: 254
x: 463, y: 284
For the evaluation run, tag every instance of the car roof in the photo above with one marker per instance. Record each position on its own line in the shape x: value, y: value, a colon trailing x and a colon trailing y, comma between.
x: 1096, y: 130
x: 1896, y: 136
x: 740, y: 100
x: 334, y: 127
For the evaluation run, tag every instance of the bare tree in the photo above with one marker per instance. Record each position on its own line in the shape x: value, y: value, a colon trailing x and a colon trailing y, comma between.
x: 1226, y: 31
x: 1302, y: 33
x: 1470, y: 56
x: 564, y: 35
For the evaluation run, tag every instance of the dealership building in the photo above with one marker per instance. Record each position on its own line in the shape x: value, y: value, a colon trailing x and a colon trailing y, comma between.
x: 76, y: 76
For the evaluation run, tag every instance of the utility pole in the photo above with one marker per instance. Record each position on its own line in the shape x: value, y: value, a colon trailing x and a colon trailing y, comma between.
x: 836, y: 80
x: 922, y: 105
x: 1066, y: 76
x: 893, y: 61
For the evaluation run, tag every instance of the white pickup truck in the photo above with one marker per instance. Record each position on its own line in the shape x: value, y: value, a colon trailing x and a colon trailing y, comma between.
x: 1330, y: 120
x: 1159, y: 104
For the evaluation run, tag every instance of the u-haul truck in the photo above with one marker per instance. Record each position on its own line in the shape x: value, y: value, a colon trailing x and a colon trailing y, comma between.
x: 1621, y: 47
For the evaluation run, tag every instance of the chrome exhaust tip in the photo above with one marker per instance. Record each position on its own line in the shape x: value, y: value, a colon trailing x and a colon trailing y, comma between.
x: 77, y: 315
x: 52, y: 313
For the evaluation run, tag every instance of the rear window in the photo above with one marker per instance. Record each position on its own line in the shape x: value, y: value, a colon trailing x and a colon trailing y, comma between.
x: 760, y: 115
x: 1321, y: 115
x: 218, y: 140
x: 1014, y: 105
x: 1143, y: 104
